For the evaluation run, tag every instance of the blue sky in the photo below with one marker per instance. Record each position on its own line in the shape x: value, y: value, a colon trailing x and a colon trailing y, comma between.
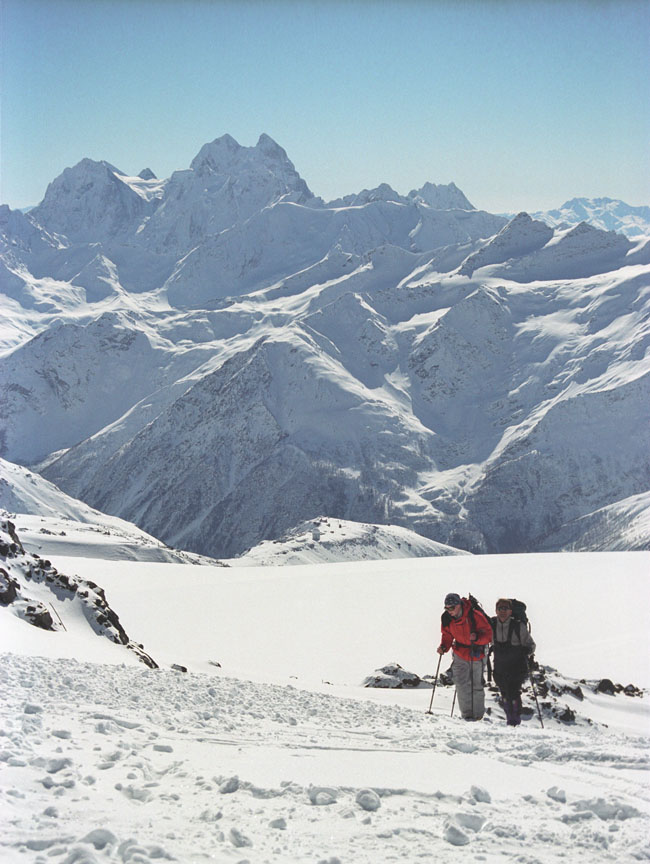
x: 522, y: 104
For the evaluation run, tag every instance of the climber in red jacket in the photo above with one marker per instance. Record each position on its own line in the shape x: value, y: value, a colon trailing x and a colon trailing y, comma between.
x: 468, y: 631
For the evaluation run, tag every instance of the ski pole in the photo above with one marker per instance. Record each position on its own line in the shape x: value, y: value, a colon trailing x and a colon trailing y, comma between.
x: 453, y: 703
x: 532, y: 684
x: 434, y: 686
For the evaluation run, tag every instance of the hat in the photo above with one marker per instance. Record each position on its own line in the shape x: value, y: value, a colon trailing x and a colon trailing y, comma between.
x: 504, y: 602
x: 452, y: 600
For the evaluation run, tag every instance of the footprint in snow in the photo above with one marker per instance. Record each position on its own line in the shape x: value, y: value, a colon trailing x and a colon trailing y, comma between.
x: 238, y: 838
x: 456, y: 828
x: 462, y: 746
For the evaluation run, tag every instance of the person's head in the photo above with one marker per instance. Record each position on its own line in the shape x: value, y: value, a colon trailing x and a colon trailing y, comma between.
x: 503, y: 609
x: 453, y: 605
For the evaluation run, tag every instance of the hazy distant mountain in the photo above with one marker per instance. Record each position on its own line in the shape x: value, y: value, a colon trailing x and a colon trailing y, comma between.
x: 221, y: 356
x: 607, y: 214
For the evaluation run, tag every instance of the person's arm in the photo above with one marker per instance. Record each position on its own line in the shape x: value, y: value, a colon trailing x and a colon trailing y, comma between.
x: 446, y: 640
x: 483, y: 629
x: 527, y: 641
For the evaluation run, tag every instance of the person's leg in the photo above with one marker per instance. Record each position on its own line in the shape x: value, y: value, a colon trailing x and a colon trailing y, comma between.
x: 504, y: 682
x: 516, y: 685
x: 461, y: 674
x: 478, y: 701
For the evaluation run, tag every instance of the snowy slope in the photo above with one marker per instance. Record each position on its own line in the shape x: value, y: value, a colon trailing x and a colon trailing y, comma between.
x: 222, y: 356
x: 117, y: 763
x: 50, y: 522
x: 279, y: 754
x: 622, y: 525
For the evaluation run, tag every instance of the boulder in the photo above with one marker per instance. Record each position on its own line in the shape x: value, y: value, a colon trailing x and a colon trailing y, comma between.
x: 392, y: 677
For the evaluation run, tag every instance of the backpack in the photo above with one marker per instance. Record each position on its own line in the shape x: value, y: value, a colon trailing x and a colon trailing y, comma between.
x: 519, y: 612
x: 473, y: 605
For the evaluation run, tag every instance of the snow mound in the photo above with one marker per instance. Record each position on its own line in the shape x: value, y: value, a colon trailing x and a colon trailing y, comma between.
x: 328, y: 539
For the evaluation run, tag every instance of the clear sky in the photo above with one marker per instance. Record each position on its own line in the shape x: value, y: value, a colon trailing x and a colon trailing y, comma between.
x: 522, y: 104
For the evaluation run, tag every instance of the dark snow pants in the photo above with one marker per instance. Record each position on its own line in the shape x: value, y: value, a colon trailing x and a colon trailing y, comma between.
x: 510, y: 670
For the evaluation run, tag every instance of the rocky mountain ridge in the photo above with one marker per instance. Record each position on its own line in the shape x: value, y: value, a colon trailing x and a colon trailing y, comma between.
x: 221, y: 356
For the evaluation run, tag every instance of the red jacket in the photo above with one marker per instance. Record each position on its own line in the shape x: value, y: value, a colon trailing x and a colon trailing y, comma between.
x: 457, y: 633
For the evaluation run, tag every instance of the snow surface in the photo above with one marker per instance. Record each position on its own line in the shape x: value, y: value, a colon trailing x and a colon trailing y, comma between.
x: 268, y: 749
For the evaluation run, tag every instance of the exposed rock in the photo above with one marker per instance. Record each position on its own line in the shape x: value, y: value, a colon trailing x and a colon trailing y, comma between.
x: 21, y: 569
x: 606, y: 686
x: 392, y: 676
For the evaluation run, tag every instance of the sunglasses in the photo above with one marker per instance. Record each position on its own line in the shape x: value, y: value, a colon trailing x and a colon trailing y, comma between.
x: 503, y: 609
x: 453, y: 606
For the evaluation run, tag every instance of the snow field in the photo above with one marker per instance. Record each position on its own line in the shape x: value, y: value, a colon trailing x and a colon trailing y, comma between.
x: 122, y: 763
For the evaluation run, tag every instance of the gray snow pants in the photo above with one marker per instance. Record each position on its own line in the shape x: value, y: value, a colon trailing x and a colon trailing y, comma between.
x: 467, y: 676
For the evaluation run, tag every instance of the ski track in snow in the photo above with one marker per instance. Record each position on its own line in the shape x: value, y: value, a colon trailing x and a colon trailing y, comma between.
x: 121, y: 763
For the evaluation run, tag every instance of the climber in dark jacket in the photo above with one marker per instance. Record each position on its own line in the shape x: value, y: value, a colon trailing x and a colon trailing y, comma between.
x: 467, y: 631
x: 512, y: 646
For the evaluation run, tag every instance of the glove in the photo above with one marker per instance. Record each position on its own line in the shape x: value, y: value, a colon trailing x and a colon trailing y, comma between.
x: 476, y: 651
x: 441, y: 650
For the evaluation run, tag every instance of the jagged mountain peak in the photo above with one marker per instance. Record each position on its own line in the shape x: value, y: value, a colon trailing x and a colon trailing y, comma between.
x: 225, y: 155
x: 269, y: 147
x: 147, y: 174
x: 442, y: 197
x: 216, y: 155
x: 383, y: 192
x: 521, y: 236
x: 87, y: 168
x: 523, y: 223
x: 90, y: 201
x: 588, y: 237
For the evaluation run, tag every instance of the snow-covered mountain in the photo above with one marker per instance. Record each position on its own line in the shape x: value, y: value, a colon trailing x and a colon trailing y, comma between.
x: 52, y: 523
x: 221, y: 356
x: 608, y: 214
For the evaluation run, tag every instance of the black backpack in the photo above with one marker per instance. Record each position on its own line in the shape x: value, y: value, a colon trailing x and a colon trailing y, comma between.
x: 519, y: 612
